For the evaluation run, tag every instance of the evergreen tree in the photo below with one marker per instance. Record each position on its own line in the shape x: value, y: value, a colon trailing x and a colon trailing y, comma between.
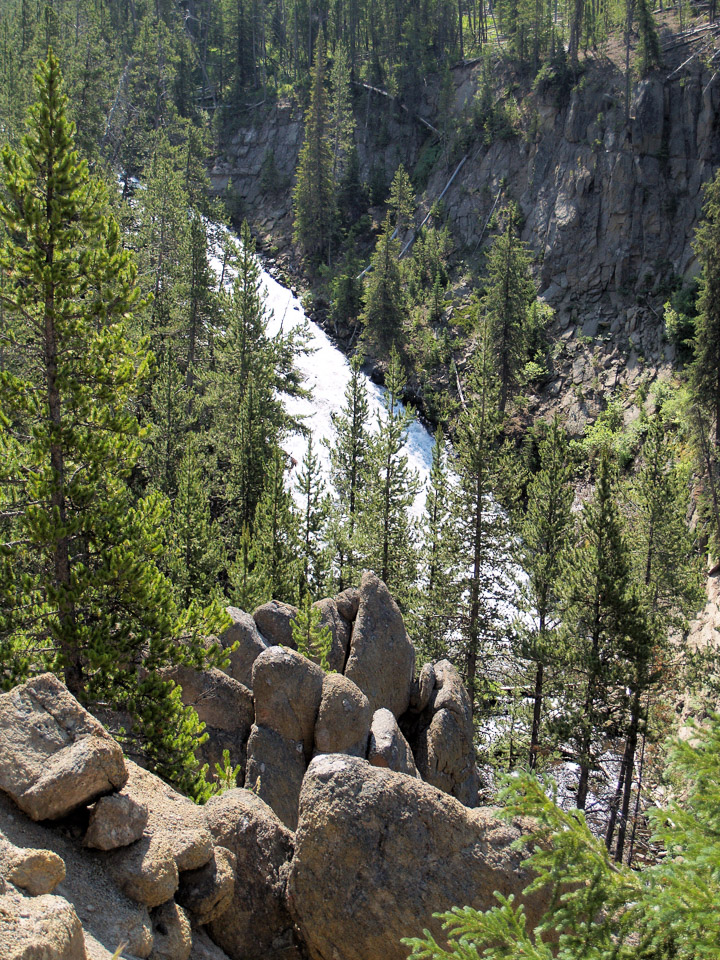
x: 481, y: 526
x: 544, y: 532
x: 342, y: 122
x: 384, y: 308
x: 509, y: 292
x: 602, y: 623
x: 388, y: 529
x: 313, y: 509
x: 434, y: 617
x: 349, y: 466
x: 401, y: 201
x: 313, y: 197
x: 706, y: 369
x: 93, y: 603
x: 311, y: 640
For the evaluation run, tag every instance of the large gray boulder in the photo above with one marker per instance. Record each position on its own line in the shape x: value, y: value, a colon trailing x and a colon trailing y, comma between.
x: 242, y: 631
x: 257, y: 925
x: 35, y: 871
x: 388, y: 747
x: 444, y: 751
x: 343, y: 722
x: 340, y: 630
x: 378, y: 853
x: 224, y: 705
x: 275, y: 770
x: 274, y: 621
x: 54, y: 756
x: 347, y: 603
x: 382, y: 658
x: 287, y: 688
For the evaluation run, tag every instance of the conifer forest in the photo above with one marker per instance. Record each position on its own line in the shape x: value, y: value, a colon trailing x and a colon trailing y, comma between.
x: 294, y: 290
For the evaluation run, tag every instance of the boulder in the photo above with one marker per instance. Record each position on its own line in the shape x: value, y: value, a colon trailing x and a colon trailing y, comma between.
x: 275, y: 769
x: 347, y: 603
x: 287, y: 688
x: 443, y: 743
x: 208, y: 891
x: 204, y: 949
x: 37, y: 872
x: 274, y: 621
x: 116, y: 821
x: 343, y: 722
x: 382, y: 658
x: 388, y: 747
x: 340, y: 631
x: 394, y: 851
x: 175, y: 839
x: 172, y: 934
x: 422, y: 688
x: 39, y: 928
x: 54, y: 756
x: 224, y: 705
x: 242, y: 631
x: 257, y: 926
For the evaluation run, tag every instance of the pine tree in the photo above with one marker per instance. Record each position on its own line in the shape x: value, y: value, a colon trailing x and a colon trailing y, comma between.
x: 401, y: 201
x: 348, y: 472
x: 509, y: 292
x: 481, y: 526
x: 313, y: 197
x: 311, y: 640
x: 384, y: 308
x: 602, y: 623
x: 388, y: 530
x: 342, y: 122
x: 93, y: 603
x: 313, y: 511
x: 434, y: 617
x: 706, y: 369
x: 544, y: 532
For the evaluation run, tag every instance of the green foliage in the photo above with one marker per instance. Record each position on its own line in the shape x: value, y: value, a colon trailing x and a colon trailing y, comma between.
x: 599, y: 910
x: 311, y: 640
x: 225, y: 775
x: 384, y: 308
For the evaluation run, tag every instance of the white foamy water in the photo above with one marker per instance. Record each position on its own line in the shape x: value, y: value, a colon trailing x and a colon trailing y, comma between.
x: 327, y: 373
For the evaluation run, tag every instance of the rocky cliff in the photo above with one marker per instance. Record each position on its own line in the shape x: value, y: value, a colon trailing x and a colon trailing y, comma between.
x: 610, y: 204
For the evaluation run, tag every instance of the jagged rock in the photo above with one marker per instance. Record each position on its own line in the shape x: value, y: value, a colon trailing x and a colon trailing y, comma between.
x: 250, y: 644
x: 208, y: 891
x: 382, y: 658
x: 391, y: 827
x: 257, y: 926
x: 443, y: 746
x: 116, y: 821
x: 275, y: 769
x: 274, y: 621
x: 54, y: 756
x: 347, y: 603
x: 172, y: 933
x: 422, y: 688
x: 340, y: 630
x: 175, y: 839
x: 35, y: 871
x: 287, y: 688
x: 343, y: 722
x: 39, y: 928
x: 224, y: 705
x: 388, y: 747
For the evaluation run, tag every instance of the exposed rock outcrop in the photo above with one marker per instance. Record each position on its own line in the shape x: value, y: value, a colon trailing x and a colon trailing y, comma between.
x: 40, y: 928
x: 54, y: 756
x: 274, y: 621
x: 343, y: 722
x: 390, y: 826
x: 388, y: 747
x: 382, y: 658
x: 242, y: 631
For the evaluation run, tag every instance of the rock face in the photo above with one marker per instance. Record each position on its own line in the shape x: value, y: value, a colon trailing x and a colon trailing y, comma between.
x: 287, y: 688
x: 257, y: 925
x: 208, y: 891
x: 382, y: 658
x: 388, y: 747
x: 391, y: 826
x: 243, y: 631
x: 224, y: 705
x: 35, y: 871
x: 340, y: 630
x: 443, y: 738
x: 343, y: 722
x: 274, y: 621
x: 54, y: 756
x: 275, y: 770
x: 40, y: 928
